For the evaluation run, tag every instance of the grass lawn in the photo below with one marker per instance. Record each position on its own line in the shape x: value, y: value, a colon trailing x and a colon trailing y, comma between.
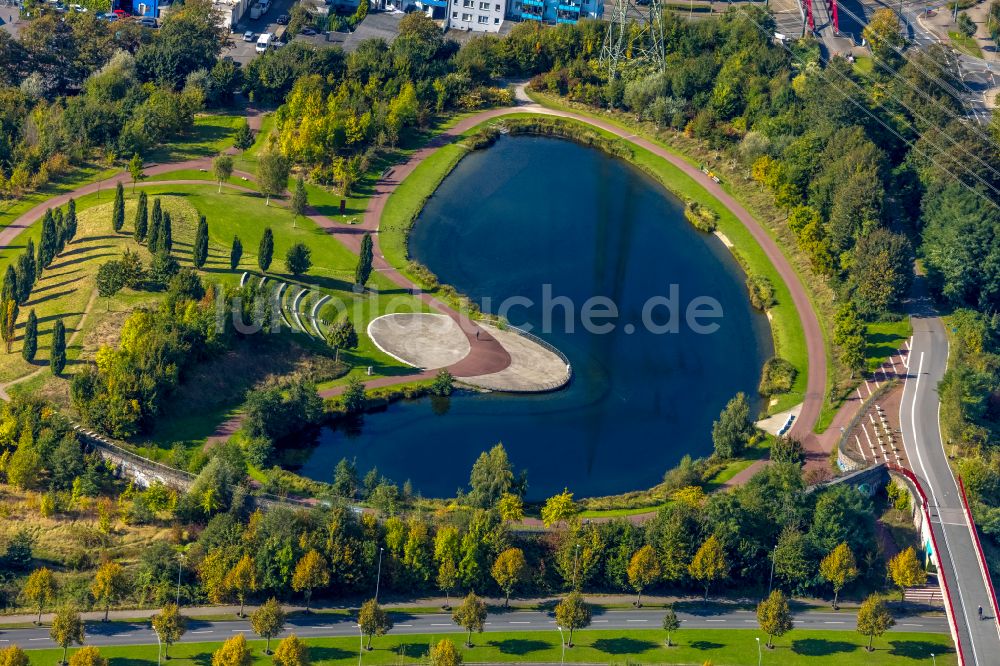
x: 864, y: 65
x: 211, y: 134
x: 405, y: 204
x: 885, y: 338
x: 721, y: 647
x: 965, y: 44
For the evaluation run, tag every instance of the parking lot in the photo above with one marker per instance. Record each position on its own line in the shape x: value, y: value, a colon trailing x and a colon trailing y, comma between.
x: 243, y: 52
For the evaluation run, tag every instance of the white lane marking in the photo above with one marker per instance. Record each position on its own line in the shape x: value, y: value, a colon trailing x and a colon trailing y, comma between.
x: 440, y: 625
x: 518, y: 622
x: 596, y: 621
x: 714, y: 620
x: 834, y: 622
x: 637, y: 620
x: 235, y: 631
x: 38, y: 639
x: 404, y: 625
x: 206, y: 631
x: 910, y: 624
x: 119, y: 635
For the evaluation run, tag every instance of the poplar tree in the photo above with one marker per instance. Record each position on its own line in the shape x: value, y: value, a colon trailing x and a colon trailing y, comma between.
x: 118, y: 211
x: 365, y: 257
x: 141, y: 225
x: 71, y: 221
x: 155, y: 221
x: 58, y: 359
x: 201, y: 243
x: 235, y: 253
x: 30, y: 346
x: 166, y: 240
x: 265, y: 251
x: 47, y: 244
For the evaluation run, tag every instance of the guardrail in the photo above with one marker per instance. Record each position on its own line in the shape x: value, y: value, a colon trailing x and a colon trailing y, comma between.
x: 949, y: 606
x: 980, y: 556
x: 552, y: 386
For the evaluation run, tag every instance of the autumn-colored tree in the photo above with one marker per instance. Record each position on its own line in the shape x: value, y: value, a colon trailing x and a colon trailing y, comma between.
x: 268, y: 621
x: 883, y: 33
x: 444, y: 653
x: 87, y: 656
x: 8, y: 321
x: 511, y: 507
x: 373, y: 620
x: 558, y: 507
x: 838, y: 568
x: 906, y: 571
x: 774, y: 616
x: 291, y: 651
x: 234, y: 652
x: 241, y: 580
x: 471, y: 616
x: 39, y: 590
x: 12, y: 655
x: 67, y: 628
x: 508, y: 569
x: 310, y: 572
x: 169, y: 625
x: 110, y: 586
x: 709, y: 563
x: 874, y: 619
x: 447, y: 578
x: 643, y: 570
x: 572, y: 613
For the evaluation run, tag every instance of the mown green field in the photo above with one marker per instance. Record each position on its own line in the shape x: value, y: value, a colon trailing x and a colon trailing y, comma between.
x: 719, y: 646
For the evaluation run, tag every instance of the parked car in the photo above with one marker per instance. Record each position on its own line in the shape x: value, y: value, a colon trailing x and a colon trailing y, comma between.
x: 249, y: 36
x: 120, y: 13
x: 147, y: 22
x: 284, y: 19
x: 307, y: 31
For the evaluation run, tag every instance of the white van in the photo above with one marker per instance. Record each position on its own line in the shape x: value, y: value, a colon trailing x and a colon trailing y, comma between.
x: 263, y: 42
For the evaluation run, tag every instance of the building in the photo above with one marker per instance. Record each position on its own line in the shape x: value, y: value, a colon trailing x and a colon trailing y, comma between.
x: 555, y: 11
x: 475, y: 15
x: 231, y: 11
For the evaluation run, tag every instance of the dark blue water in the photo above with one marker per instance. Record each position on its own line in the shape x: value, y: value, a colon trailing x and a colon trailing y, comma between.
x: 535, y: 211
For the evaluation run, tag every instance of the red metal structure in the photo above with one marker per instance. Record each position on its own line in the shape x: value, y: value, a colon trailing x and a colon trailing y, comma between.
x: 833, y: 13
x: 979, y: 553
x: 809, y: 15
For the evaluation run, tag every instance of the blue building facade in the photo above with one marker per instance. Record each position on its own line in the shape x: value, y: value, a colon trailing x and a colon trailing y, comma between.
x: 555, y: 11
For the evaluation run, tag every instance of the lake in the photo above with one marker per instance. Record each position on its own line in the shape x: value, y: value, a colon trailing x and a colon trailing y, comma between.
x: 557, y: 223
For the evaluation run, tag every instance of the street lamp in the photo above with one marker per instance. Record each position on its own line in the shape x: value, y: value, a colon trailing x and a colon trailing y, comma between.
x: 159, y: 645
x: 180, y: 565
x: 934, y: 658
x: 562, y: 659
x: 378, y: 577
x: 361, y: 645
x: 759, y: 655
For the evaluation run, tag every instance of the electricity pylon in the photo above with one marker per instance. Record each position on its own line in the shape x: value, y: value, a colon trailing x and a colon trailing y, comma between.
x: 634, y: 37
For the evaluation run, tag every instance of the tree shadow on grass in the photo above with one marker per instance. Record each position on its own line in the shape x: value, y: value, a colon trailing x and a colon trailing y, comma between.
x: 819, y: 647
x: 623, y: 645
x: 519, y: 646
x: 706, y: 645
x: 917, y: 649
x: 128, y: 661
x: 328, y: 654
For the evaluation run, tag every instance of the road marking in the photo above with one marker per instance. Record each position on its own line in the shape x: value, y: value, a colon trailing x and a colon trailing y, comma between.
x: 714, y: 620
x: 518, y: 622
x: 834, y: 622
x: 207, y: 631
x: 119, y: 635
x: 404, y: 625
x: 596, y: 621
x: 238, y: 630
x: 910, y: 624
x: 38, y: 639
x: 637, y: 620
x: 440, y: 625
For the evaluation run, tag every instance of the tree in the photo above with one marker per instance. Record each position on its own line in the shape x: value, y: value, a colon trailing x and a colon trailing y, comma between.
x: 9, y: 292
x: 300, y: 199
x: 268, y: 621
x: 354, y: 396
x: 110, y: 585
x: 234, y: 652
x: 373, y: 620
x: 838, y: 568
x: 491, y: 477
x: 881, y: 272
x: 200, y: 249
x: 310, y: 572
x: 447, y: 578
x: 165, y: 239
x: 222, y: 167
x: 70, y: 220
x: 572, y: 613
x: 169, y: 625
x: 243, y: 138
x: 39, y: 590
x: 265, y: 251
x: 774, y: 616
x: 643, y: 570
x: 671, y: 623
x: 508, y: 569
x: 966, y: 25
x: 141, y: 226
x: 118, y: 210
x: 242, y: 579
x: 709, y: 563
x: 291, y: 651
x: 732, y: 432
x: 510, y: 507
x: 67, y: 628
x: 906, y: 571
x: 110, y: 280
x: 272, y: 174
x: 341, y: 335
x: 155, y: 222
x: 135, y: 170
x: 558, y: 507
x: 8, y: 326
x: 471, y: 616
x: 874, y: 619
x: 365, y: 258
x: 883, y: 33
x: 298, y: 259
x: 87, y: 656
x: 235, y: 253
x: 444, y: 653
x: 30, y: 345
x: 12, y: 655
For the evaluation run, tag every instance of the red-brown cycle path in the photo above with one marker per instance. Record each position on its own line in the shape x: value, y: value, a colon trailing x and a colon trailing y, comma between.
x: 486, y: 354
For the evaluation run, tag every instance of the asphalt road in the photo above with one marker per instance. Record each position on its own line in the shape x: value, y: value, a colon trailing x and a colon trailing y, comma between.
x: 919, y: 419
x: 139, y: 633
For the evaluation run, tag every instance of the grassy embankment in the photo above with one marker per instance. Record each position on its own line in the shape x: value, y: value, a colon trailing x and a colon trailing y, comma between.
x: 695, y: 646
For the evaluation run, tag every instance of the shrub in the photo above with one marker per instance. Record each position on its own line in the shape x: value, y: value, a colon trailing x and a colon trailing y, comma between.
x: 777, y: 377
x: 702, y: 218
x: 761, y: 292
